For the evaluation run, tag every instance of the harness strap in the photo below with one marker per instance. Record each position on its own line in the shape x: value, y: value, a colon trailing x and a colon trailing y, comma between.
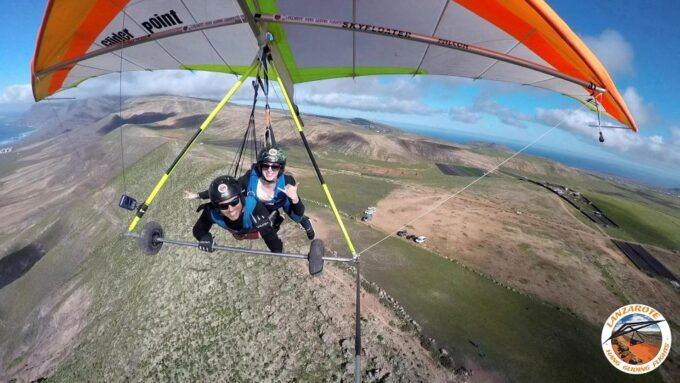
x: 268, y: 130
x: 217, y: 218
x: 280, y: 200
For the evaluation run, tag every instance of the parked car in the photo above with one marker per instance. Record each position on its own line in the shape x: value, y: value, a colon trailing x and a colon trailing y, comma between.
x: 411, y: 237
x: 366, y: 217
x: 370, y: 210
x: 402, y: 233
x: 419, y: 239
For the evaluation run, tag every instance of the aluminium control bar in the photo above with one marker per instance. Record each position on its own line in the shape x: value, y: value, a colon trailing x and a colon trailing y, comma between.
x: 239, y: 250
x: 251, y: 251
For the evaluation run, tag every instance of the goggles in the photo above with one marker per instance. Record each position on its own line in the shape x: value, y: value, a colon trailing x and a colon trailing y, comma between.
x: 274, y: 167
x: 226, y: 205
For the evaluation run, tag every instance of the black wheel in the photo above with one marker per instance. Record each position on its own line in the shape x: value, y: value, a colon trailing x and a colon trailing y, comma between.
x: 315, y: 257
x: 148, y: 239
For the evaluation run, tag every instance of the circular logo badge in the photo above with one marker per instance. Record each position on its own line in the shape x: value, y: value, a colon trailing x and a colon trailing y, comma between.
x: 222, y: 188
x: 636, y: 339
x: 273, y: 152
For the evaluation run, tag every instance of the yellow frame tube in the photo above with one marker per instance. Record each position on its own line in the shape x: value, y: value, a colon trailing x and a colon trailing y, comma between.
x: 142, y: 209
x: 324, y: 187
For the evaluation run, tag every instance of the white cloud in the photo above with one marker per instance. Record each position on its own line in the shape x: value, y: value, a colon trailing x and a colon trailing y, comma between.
x: 675, y: 135
x: 633, y: 318
x: 643, y: 112
x: 464, y: 114
x: 621, y: 141
x: 16, y: 94
x: 615, y: 53
x: 576, y: 121
x: 486, y: 105
x: 181, y: 83
x: 506, y: 115
x: 398, y: 95
x: 368, y: 103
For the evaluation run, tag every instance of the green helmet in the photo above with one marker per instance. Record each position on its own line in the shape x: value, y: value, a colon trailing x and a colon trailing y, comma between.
x: 274, y: 155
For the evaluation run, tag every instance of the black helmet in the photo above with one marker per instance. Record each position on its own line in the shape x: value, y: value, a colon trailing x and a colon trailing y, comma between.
x: 224, y: 188
x: 273, y: 154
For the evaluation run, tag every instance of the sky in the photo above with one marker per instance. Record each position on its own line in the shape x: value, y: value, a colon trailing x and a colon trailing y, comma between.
x: 637, y: 41
x: 637, y: 318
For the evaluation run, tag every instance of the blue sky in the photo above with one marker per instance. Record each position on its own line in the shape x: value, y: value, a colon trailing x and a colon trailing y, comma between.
x: 637, y: 41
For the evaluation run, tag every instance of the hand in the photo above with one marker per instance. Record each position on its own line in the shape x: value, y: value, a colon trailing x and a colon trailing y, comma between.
x: 206, y: 243
x: 190, y: 195
x: 291, y: 192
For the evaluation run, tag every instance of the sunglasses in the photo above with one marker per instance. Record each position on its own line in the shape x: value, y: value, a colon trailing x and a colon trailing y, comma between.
x: 270, y: 166
x: 226, y: 205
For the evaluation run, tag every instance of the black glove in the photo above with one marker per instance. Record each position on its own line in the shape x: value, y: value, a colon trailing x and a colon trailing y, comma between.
x: 206, y: 243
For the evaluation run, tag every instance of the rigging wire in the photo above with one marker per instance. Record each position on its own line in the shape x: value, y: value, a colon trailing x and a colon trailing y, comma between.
x: 249, y: 140
x: 120, y: 109
x: 269, y: 137
x: 599, y: 122
x: 357, y: 314
x: 437, y: 205
x: 282, y: 108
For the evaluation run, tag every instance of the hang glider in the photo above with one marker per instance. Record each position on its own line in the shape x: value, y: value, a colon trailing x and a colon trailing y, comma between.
x: 522, y: 42
x: 606, y: 126
x: 633, y: 327
x: 518, y: 41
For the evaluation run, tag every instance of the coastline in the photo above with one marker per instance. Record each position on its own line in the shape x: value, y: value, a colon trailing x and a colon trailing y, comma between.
x: 12, y: 133
x: 644, y: 175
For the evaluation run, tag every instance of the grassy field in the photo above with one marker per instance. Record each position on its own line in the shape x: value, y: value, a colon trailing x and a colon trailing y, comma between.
x: 187, y: 316
x: 351, y: 194
x: 465, y: 171
x: 642, y: 223
x: 457, y: 306
x: 643, y: 214
x: 184, y: 315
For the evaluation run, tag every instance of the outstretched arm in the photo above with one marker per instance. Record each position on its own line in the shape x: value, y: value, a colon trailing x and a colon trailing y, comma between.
x: 203, y: 225
x: 261, y: 221
x: 191, y: 195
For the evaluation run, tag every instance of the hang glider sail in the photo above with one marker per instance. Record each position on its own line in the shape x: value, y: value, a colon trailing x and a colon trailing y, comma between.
x: 522, y: 42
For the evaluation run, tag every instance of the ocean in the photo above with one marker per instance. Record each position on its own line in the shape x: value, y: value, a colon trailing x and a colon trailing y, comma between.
x: 12, y: 132
x: 653, y: 176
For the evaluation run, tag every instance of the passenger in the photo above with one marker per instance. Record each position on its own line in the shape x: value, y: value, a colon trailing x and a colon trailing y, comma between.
x: 267, y: 182
x: 243, y: 216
